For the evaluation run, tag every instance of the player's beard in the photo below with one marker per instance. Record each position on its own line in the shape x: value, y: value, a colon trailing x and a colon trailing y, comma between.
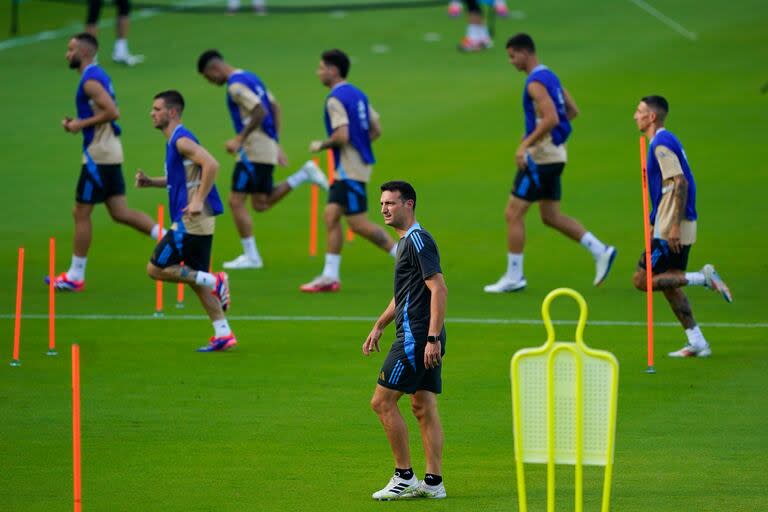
x: 74, y: 63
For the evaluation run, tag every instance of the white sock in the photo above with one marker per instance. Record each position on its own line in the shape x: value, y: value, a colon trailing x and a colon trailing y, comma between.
x: 331, y: 269
x: 297, y: 178
x: 233, y: 4
x: 221, y: 328
x: 393, y: 251
x: 695, y: 279
x: 695, y: 337
x: 482, y: 33
x: 205, y: 279
x: 121, y: 47
x: 514, y: 266
x: 475, y: 32
x: 593, y: 245
x: 155, y: 232
x: 259, y: 4
x: 76, y: 270
x: 249, y: 248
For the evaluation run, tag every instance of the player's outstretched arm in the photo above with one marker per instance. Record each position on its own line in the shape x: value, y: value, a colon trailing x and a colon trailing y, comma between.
x: 338, y: 138
x: 372, y: 341
x: 144, y: 181
x: 210, y: 167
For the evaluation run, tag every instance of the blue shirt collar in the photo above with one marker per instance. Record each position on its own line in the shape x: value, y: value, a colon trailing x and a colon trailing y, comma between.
x: 413, y: 228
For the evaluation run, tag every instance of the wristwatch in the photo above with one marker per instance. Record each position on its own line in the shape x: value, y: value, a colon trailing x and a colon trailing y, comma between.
x: 433, y: 339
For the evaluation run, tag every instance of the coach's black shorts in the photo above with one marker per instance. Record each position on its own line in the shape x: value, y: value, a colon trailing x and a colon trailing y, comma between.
x: 663, y: 259
x: 541, y: 182
x: 257, y: 180
x: 398, y: 371
x: 94, y: 9
x: 175, y: 247
x: 96, y: 186
x: 350, y: 194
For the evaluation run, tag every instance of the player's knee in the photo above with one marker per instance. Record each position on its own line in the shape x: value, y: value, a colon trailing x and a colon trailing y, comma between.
x: 549, y: 219
x: 119, y: 215
x: 153, y: 271
x: 331, y: 219
x: 261, y: 205
x: 638, y: 280
x: 419, y: 410
x: 380, y: 405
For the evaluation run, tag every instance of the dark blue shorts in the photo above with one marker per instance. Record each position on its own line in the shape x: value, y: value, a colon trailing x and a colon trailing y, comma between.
x: 538, y: 182
x: 663, y: 259
x: 252, y: 178
x: 176, y: 247
x: 98, y: 184
x: 401, y: 373
x: 350, y: 194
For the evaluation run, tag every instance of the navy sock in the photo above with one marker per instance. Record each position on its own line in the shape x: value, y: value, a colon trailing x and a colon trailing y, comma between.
x: 405, y: 474
x: 431, y: 479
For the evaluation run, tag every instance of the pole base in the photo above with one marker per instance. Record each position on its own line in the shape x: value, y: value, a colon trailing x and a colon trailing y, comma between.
x: 651, y: 370
x: 52, y: 352
x: 158, y: 314
x: 179, y: 305
x: 15, y: 363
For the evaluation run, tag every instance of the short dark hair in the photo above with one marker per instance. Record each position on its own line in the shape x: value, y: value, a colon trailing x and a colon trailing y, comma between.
x: 406, y: 190
x: 521, y: 41
x: 172, y: 99
x: 206, y: 57
x: 338, y: 59
x: 89, y: 39
x: 658, y: 104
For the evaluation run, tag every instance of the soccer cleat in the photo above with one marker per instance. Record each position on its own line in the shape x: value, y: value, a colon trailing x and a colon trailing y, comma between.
x: 127, y: 59
x: 424, y: 490
x: 321, y: 284
x: 219, y: 344
x: 396, y: 488
x: 505, y: 285
x: 243, y: 261
x: 454, y: 9
x: 603, y: 265
x: 500, y: 6
x: 692, y: 351
x: 221, y: 290
x: 713, y: 281
x: 315, y: 175
x: 469, y: 45
x: 63, y: 283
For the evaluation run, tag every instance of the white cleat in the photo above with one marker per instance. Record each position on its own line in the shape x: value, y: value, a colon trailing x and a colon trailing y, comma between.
x: 713, y: 281
x: 243, y: 261
x: 425, y: 490
x: 603, y: 265
x: 315, y: 175
x: 692, y: 351
x: 396, y: 488
x: 127, y: 59
x: 505, y: 285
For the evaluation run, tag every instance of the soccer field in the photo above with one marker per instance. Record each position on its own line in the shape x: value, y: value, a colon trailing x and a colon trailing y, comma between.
x: 283, y: 422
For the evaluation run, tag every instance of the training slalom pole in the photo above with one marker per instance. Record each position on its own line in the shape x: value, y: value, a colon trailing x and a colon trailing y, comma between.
x: 76, y: 462
x: 159, y: 283
x: 180, y: 293
x: 313, y: 207
x: 648, y: 266
x: 51, y: 298
x: 17, y: 321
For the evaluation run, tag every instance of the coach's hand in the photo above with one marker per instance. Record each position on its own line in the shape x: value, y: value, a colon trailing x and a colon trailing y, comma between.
x: 372, y: 341
x: 432, y: 356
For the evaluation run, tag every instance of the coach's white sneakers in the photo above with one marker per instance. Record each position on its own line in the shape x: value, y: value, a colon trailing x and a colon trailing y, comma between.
x: 424, y: 490
x: 396, y: 488
x: 692, y: 351
x: 243, y: 261
x: 505, y: 284
x: 603, y: 264
x: 127, y: 59
x: 713, y: 281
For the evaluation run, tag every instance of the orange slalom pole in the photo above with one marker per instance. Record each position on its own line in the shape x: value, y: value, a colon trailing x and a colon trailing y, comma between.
x: 17, y: 321
x: 180, y: 294
x: 648, y: 264
x: 51, y: 298
x: 313, y: 207
x: 158, y: 283
x: 76, y: 462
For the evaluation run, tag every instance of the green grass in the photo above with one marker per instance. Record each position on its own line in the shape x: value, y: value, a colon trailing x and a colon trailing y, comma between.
x: 283, y: 423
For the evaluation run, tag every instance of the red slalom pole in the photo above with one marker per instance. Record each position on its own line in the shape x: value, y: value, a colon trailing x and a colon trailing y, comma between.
x: 51, y: 298
x: 158, y: 283
x: 648, y: 266
x: 17, y: 321
x: 76, y: 462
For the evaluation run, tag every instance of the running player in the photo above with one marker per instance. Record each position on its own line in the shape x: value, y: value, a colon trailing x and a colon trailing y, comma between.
x: 540, y: 160
x: 101, y: 175
x: 673, y: 196
x: 351, y: 124
x: 256, y: 117
x: 190, y: 173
